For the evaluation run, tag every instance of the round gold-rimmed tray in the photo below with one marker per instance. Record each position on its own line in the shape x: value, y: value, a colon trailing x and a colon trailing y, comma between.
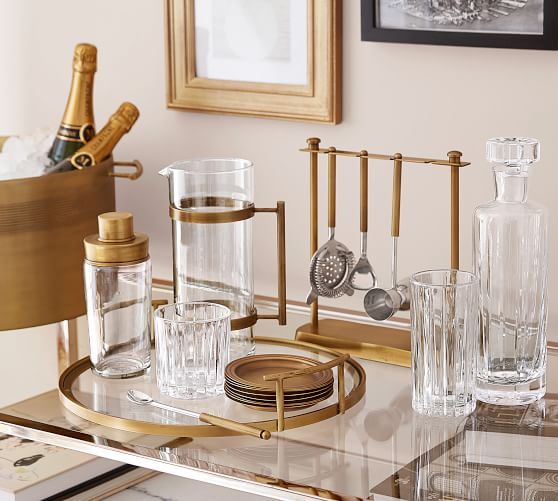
x: 311, y: 416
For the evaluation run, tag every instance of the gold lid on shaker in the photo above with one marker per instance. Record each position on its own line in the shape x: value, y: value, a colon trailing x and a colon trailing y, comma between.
x: 116, y: 242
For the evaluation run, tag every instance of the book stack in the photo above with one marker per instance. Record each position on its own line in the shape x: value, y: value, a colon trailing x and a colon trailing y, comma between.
x: 31, y: 470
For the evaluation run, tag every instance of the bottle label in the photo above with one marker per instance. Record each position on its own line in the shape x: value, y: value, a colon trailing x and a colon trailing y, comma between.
x: 82, y: 134
x: 83, y: 160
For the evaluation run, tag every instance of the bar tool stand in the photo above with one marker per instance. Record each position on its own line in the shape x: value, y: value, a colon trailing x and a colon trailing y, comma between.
x: 372, y: 341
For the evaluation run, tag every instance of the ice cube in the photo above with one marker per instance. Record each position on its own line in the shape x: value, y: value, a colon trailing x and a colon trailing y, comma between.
x: 26, y: 156
x: 14, y: 149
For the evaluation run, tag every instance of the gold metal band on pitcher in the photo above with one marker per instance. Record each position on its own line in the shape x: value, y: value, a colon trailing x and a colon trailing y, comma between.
x: 237, y: 324
x: 241, y: 210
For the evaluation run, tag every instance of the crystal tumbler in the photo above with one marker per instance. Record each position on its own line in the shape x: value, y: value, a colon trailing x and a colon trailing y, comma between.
x: 192, y: 349
x: 445, y: 330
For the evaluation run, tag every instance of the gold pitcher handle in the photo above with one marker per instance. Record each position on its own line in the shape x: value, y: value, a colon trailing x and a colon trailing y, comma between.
x: 132, y: 176
x: 281, y: 315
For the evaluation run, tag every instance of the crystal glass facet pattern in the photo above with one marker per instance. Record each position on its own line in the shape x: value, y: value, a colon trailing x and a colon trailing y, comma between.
x: 192, y: 349
x: 444, y: 341
x: 510, y: 258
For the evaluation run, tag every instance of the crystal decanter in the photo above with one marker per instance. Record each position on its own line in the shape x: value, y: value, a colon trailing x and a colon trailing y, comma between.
x: 510, y: 259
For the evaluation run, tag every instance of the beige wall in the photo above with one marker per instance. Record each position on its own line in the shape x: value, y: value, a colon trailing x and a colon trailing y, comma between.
x: 420, y: 100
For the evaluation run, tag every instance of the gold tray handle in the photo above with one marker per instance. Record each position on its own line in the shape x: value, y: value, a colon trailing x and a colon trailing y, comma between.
x: 279, y: 378
x: 132, y: 176
x: 281, y: 315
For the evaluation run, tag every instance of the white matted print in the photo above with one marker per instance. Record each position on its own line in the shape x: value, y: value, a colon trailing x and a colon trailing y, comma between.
x: 264, y: 41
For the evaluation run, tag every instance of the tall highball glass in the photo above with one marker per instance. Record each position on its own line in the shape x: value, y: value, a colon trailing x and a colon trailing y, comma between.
x: 444, y: 333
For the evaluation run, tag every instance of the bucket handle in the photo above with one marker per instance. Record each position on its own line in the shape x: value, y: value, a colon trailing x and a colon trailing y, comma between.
x: 281, y: 315
x: 132, y: 176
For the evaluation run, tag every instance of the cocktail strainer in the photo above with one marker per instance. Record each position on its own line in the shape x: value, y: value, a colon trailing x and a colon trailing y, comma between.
x: 331, y: 264
x: 330, y: 270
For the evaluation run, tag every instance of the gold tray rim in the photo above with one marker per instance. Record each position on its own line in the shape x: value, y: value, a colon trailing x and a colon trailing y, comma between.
x: 71, y: 403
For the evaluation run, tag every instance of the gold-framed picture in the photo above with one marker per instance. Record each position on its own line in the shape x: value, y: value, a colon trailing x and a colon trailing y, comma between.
x: 266, y: 58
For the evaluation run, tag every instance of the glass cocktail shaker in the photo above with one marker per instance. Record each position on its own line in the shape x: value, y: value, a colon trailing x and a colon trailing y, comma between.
x: 117, y: 272
x: 510, y: 259
x: 211, y: 208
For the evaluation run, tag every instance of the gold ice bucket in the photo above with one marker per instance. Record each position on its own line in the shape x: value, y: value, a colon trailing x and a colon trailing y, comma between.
x: 43, y: 221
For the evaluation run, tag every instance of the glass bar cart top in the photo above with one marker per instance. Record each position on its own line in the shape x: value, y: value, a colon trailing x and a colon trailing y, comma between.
x: 379, y: 449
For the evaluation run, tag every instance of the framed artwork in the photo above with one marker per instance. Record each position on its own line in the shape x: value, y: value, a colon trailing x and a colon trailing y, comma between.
x: 267, y: 58
x: 513, y: 24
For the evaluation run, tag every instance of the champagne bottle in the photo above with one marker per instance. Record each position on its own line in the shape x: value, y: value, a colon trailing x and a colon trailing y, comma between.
x: 101, y: 146
x: 78, y: 125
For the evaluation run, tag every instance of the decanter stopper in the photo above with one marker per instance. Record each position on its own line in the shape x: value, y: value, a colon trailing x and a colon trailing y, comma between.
x: 513, y: 151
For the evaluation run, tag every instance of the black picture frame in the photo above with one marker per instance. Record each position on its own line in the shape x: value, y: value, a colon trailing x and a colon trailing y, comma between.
x: 371, y: 32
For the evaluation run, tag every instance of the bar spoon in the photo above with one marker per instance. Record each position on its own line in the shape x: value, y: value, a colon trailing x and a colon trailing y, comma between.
x: 140, y: 398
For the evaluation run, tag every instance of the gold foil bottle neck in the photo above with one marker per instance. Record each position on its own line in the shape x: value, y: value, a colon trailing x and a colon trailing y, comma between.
x: 85, y: 58
x: 116, y: 243
x: 126, y: 115
x: 101, y: 146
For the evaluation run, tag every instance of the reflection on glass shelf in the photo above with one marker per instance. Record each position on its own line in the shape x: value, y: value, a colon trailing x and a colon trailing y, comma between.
x: 497, y: 453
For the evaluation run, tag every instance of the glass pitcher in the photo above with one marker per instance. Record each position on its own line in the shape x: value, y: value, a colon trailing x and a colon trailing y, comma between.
x: 211, y: 208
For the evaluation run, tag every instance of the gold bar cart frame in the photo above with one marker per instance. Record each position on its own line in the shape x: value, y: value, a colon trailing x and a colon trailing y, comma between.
x: 372, y: 342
